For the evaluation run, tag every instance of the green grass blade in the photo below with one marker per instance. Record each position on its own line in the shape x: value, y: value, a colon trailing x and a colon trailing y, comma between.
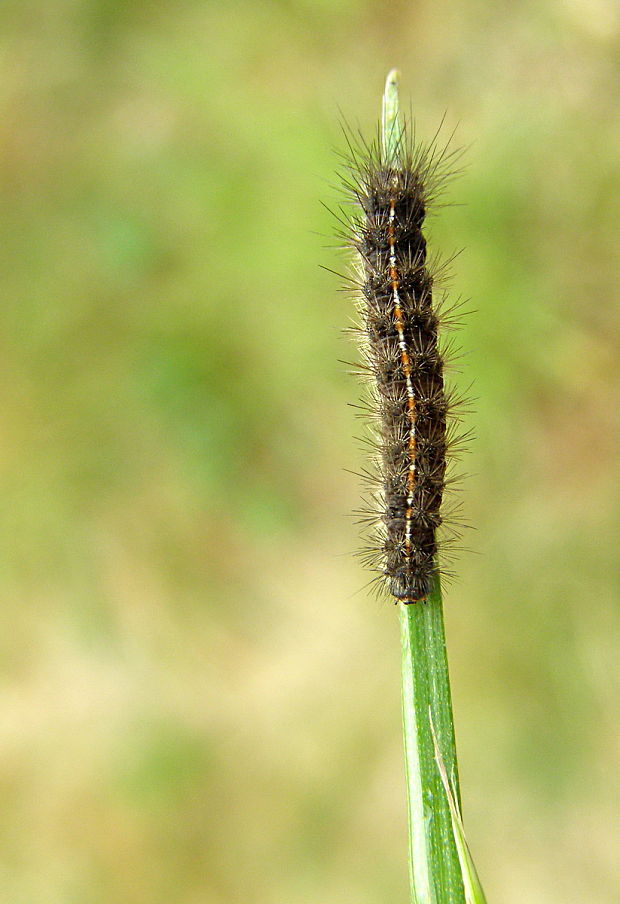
x: 390, y: 120
x: 434, y: 863
x: 440, y: 867
x: 473, y: 888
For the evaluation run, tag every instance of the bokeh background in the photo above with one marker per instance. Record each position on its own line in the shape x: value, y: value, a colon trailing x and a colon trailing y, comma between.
x: 198, y: 701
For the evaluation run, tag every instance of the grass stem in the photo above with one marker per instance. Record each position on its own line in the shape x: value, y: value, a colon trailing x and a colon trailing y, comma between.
x: 434, y: 865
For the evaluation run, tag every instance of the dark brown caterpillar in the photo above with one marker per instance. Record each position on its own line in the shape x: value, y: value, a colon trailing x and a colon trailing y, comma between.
x: 401, y: 355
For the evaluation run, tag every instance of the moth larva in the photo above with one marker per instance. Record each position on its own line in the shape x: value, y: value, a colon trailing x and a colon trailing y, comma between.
x: 399, y: 327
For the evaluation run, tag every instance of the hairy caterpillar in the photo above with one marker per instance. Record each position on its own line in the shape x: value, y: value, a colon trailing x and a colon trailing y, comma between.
x: 411, y: 412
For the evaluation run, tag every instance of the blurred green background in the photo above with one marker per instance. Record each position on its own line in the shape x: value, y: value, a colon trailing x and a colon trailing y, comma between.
x: 198, y: 703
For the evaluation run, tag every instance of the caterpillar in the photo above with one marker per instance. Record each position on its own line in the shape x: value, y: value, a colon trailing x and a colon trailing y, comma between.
x: 411, y: 411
